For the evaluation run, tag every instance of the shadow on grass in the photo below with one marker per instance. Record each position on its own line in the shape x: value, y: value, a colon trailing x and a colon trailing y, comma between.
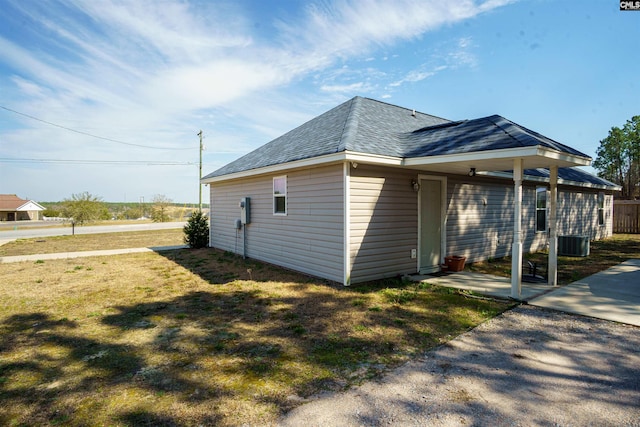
x: 43, y: 382
x: 146, y: 418
x: 251, y: 342
x: 582, y: 372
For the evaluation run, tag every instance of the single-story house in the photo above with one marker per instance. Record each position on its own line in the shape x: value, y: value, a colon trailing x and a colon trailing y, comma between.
x: 370, y: 190
x: 13, y: 208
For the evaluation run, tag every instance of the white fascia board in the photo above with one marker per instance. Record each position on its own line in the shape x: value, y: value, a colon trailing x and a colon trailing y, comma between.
x: 506, y: 153
x: 588, y: 185
x: 314, y: 161
x: 564, y: 157
x: 561, y: 181
x: 476, y: 155
x: 374, y: 159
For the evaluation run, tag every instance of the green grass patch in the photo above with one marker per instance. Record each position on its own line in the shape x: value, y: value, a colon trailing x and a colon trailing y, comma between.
x: 603, y: 254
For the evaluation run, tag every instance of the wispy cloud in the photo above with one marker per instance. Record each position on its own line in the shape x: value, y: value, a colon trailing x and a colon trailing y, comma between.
x: 156, y: 72
x: 444, y: 58
x: 345, y: 28
x: 351, y: 88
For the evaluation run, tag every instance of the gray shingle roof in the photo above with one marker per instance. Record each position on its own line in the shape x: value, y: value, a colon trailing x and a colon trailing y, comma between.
x: 484, y: 134
x: 363, y: 125
x: 572, y: 174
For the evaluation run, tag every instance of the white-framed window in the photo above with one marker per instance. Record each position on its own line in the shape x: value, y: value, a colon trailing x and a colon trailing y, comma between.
x: 280, y: 195
x: 541, y: 209
x: 601, y: 208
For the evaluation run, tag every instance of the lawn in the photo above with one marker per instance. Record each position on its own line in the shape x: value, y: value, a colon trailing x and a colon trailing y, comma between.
x: 603, y: 254
x: 201, y: 337
x: 91, y: 242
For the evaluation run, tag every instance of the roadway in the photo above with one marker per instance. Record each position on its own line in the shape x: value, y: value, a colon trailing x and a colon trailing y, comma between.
x: 20, y: 231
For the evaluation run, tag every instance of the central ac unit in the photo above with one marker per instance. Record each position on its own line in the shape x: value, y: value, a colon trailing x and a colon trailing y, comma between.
x: 573, y: 245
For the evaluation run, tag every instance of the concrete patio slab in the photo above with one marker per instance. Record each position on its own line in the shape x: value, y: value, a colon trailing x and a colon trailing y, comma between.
x: 484, y: 284
x: 613, y: 294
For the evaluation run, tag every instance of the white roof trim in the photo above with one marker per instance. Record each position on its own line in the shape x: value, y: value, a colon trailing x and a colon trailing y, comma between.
x: 314, y: 161
x: 499, y: 154
x: 532, y: 178
x: 36, y: 206
x: 415, y: 161
x: 277, y: 168
x: 374, y: 158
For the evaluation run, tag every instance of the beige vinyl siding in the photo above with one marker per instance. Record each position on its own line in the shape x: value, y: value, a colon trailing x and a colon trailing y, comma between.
x: 578, y: 214
x: 480, y: 217
x: 384, y: 223
x: 383, y: 220
x: 309, y: 238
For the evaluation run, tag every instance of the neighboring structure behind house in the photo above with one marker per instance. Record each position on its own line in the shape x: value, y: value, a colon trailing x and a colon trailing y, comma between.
x: 13, y: 208
x: 370, y: 190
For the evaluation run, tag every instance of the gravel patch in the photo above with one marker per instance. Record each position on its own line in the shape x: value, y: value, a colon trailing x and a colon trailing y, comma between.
x: 527, y: 367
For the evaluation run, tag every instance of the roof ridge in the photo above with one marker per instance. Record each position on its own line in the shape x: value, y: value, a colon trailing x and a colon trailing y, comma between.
x: 496, y: 124
x: 440, y: 126
x: 538, y: 137
x: 350, y: 129
x: 405, y: 108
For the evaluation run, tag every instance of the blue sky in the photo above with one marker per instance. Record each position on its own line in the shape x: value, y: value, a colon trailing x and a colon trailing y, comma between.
x: 108, y: 96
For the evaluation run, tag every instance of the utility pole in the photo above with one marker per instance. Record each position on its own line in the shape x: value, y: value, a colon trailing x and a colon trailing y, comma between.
x: 200, y: 175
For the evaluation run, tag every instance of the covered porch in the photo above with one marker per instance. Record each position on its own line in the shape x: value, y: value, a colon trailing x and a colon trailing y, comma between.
x: 494, y: 146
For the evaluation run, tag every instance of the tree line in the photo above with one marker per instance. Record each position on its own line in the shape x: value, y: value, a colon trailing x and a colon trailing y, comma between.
x: 85, y: 207
x: 618, y: 158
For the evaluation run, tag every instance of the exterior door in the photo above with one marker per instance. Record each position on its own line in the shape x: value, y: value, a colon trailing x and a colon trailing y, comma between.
x: 430, y: 226
x: 11, y: 216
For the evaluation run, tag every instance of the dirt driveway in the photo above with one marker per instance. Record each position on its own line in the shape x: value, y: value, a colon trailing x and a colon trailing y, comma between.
x: 527, y: 367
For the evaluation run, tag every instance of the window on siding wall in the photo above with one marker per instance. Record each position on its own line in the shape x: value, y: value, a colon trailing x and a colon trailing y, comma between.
x: 541, y: 209
x: 280, y: 195
x: 600, y: 208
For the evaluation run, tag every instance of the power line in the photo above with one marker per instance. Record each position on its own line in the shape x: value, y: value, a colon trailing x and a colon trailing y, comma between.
x: 92, y: 135
x: 97, y: 162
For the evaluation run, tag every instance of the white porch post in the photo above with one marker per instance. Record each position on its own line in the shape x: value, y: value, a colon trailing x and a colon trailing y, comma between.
x: 553, y: 226
x: 516, y: 253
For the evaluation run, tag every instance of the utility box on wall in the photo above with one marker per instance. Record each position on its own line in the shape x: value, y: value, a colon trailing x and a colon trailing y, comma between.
x: 245, y: 210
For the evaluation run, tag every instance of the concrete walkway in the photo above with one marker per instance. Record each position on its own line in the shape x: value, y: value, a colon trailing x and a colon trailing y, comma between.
x: 613, y: 294
x: 65, y: 255
x: 484, y: 284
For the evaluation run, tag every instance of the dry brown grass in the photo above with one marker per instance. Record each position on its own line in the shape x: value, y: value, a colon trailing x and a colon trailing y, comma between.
x: 603, y: 254
x: 200, y: 337
x: 90, y: 242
